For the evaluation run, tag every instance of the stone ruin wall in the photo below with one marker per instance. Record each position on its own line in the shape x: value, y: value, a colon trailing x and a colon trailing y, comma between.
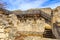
x: 31, y: 25
x: 10, y: 25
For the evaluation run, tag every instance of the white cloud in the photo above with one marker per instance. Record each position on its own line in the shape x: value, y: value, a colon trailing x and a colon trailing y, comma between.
x: 28, y: 4
x: 25, y: 5
x: 54, y: 5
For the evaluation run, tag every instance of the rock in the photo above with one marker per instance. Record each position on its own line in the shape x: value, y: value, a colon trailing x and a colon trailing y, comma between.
x: 34, y: 38
x: 56, y: 11
x: 29, y: 25
x: 46, y: 10
x: 8, y: 25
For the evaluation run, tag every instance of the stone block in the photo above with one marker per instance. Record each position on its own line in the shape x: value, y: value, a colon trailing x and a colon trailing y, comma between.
x: 2, y: 35
x: 1, y: 30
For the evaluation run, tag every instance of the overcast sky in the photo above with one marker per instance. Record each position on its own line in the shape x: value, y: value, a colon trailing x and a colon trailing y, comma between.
x: 28, y: 4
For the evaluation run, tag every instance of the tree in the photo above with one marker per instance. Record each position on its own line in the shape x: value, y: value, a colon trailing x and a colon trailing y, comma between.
x: 3, y: 9
x: 2, y: 5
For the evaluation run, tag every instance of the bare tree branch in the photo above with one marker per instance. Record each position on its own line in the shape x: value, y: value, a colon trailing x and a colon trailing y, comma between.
x: 2, y: 5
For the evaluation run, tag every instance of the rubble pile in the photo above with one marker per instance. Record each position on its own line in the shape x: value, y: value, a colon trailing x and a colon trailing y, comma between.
x: 8, y: 24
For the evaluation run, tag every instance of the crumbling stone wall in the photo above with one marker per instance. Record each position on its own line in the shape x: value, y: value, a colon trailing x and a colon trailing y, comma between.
x: 10, y: 25
x: 31, y: 25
